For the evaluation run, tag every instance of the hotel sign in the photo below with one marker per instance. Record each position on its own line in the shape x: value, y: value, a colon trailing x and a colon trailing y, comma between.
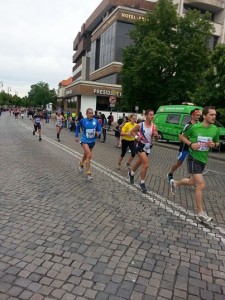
x: 131, y: 17
x: 108, y: 92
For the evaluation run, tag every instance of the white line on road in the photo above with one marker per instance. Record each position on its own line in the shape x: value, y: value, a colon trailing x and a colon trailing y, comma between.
x: 160, y: 201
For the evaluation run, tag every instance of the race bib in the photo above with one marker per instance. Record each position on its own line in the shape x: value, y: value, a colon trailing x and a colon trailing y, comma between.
x: 90, y: 133
x: 202, y: 141
x: 37, y: 120
x: 147, y: 148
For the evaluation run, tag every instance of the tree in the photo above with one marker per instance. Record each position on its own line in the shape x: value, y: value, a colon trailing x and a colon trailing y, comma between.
x: 167, y: 56
x: 212, y: 88
x: 40, y: 95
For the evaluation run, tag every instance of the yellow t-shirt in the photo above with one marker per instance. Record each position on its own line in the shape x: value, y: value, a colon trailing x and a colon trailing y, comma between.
x: 126, y: 129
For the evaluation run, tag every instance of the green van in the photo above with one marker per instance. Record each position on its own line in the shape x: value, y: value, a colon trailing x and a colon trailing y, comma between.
x: 170, y: 119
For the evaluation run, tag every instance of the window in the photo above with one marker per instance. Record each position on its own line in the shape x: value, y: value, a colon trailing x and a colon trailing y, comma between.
x: 185, y: 120
x: 173, y: 119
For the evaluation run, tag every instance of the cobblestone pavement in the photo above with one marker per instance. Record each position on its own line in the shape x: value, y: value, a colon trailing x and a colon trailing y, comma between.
x: 62, y: 237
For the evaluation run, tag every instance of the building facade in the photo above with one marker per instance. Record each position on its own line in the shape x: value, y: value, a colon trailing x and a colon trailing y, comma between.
x: 99, y: 44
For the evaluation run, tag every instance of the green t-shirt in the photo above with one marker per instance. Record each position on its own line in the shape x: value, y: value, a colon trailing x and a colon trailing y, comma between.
x: 201, y: 135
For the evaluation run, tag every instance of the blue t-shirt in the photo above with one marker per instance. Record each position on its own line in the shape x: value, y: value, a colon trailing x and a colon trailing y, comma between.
x: 90, y: 127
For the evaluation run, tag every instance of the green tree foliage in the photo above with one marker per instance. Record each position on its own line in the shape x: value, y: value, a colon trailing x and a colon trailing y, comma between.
x: 212, y: 88
x: 167, y: 57
x: 40, y: 95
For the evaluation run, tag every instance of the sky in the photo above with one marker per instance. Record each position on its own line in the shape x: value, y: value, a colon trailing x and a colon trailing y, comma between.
x: 36, y: 41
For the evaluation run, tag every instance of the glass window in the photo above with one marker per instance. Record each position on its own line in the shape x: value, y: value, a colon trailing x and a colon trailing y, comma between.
x: 173, y: 119
x: 185, y: 120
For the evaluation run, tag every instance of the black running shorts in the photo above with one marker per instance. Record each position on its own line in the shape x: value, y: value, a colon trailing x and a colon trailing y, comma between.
x: 195, y: 166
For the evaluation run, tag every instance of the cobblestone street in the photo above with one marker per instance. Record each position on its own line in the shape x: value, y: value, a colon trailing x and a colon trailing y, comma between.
x: 63, y: 237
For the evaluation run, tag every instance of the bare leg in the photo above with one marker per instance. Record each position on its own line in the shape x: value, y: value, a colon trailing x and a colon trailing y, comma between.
x: 198, y: 181
x: 87, y: 157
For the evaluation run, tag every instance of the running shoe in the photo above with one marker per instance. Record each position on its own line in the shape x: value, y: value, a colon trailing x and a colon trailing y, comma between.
x: 40, y: 138
x: 118, y: 166
x: 143, y: 187
x: 173, y: 186
x: 202, y: 217
x: 81, y: 167
x: 131, y: 177
x: 89, y: 177
x: 128, y: 167
x: 169, y: 176
x: 33, y: 132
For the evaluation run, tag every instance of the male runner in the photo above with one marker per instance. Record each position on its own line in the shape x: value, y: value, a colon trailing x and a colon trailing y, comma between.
x: 143, y: 132
x: 200, y: 138
x: 91, y: 130
x: 37, y: 120
x: 183, y: 150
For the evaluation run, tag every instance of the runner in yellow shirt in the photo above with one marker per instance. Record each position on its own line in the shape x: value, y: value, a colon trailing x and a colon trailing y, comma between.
x: 128, y: 140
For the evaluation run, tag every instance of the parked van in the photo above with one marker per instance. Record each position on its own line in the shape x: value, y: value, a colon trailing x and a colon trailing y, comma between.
x: 170, y: 120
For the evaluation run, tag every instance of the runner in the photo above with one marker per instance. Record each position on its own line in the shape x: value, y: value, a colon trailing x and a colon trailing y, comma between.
x: 183, y: 150
x: 91, y: 130
x: 200, y: 138
x: 143, y: 132
x: 37, y: 120
x: 128, y: 141
x: 59, y: 124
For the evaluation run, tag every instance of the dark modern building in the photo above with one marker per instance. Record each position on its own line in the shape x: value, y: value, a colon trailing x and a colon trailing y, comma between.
x: 98, y: 53
x: 99, y: 44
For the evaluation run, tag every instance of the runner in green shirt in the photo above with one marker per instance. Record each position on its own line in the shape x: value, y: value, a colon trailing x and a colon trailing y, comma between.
x: 200, y: 138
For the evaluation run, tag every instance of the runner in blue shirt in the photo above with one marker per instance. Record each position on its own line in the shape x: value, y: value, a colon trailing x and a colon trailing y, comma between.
x: 91, y: 130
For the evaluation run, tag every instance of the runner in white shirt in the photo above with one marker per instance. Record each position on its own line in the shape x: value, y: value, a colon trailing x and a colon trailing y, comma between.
x: 144, y: 133
x: 59, y: 124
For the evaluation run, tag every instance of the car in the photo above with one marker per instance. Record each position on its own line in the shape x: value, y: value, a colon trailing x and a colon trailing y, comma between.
x: 170, y: 120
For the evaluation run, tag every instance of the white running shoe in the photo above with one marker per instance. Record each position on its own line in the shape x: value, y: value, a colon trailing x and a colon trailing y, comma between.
x: 89, y: 177
x: 202, y: 217
x: 173, y: 186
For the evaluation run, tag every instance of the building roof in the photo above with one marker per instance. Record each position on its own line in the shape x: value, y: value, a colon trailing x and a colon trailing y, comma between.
x: 66, y: 82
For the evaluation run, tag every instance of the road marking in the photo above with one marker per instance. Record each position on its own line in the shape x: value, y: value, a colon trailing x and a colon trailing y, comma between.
x: 156, y: 199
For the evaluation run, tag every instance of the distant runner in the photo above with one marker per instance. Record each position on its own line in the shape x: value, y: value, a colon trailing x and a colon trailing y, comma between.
x: 37, y: 120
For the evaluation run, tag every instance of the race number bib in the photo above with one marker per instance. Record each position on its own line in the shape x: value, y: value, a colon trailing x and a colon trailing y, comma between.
x: 37, y: 120
x: 147, y: 148
x: 202, y: 141
x: 90, y: 133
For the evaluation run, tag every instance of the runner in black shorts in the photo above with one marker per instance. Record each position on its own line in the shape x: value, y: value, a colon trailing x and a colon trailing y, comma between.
x: 37, y: 120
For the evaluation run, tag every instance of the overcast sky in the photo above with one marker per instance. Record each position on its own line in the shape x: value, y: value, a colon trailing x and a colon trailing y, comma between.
x: 36, y: 41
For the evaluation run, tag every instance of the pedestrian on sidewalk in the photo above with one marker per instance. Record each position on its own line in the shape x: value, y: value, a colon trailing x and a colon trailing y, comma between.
x: 91, y: 130
x: 200, y: 138
x: 104, y: 127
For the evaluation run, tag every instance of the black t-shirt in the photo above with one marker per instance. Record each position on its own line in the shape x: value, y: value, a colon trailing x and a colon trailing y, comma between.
x: 37, y: 118
x: 183, y: 146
